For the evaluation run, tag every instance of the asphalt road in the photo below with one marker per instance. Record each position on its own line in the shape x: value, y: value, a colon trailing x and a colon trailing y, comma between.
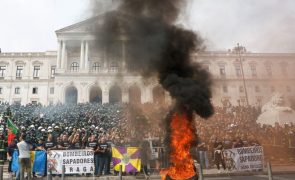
x: 254, y: 177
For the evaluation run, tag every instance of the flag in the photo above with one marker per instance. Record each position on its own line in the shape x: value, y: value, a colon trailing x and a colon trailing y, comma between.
x: 37, y: 158
x: 12, y: 131
x: 39, y: 163
x: 128, y: 157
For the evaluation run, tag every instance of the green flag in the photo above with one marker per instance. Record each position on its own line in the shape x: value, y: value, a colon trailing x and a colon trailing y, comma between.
x: 12, y: 127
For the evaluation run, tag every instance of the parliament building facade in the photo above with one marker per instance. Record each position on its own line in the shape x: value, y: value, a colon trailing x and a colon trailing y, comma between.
x: 79, y: 73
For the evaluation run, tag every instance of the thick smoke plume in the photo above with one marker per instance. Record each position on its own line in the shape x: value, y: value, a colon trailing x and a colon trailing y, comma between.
x: 154, y: 45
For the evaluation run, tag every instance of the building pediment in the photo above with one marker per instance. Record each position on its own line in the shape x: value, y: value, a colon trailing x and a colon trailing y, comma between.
x: 86, y: 26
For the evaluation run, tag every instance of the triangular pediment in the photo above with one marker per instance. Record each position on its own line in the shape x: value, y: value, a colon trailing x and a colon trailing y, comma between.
x: 85, y: 26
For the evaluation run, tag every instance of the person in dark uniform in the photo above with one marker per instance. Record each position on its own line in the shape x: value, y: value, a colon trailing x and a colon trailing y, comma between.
x: 102, y: 150
x: 92, y: 144
x: 218, y: 154
x: 76, y: 143
x: 40, y: 145
x: 64, y: 143
x: 238, y: 143
x: 109, y: 158
x: 49, y: 144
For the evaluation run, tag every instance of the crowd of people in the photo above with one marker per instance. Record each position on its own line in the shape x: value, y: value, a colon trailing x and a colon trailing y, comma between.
x: 100, y: 126
x: 235, y: 127
x: 94, y: 126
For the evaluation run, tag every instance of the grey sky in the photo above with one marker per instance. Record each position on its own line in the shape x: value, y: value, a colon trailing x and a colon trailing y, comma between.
x: 260, y: 25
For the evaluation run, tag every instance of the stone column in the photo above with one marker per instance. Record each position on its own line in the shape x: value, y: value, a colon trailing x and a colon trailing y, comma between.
x: 58, y: 63
x: 147, y: 95
x: 63, y: 55
x: 105, y: 95
x: 123, y: 56
x: 86, y: 55
x: 82, y: 55
x: 125, y: 95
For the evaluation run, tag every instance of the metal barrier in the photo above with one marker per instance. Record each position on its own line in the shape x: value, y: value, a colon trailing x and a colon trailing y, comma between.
x: 1, y: 172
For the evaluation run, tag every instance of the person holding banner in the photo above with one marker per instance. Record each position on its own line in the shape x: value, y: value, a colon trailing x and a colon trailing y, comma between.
x: 64, y: 143
x: 92, y: 144
x: 24, y: 158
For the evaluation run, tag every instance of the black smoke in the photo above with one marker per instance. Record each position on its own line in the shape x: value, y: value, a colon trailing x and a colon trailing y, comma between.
x: 155, y: 46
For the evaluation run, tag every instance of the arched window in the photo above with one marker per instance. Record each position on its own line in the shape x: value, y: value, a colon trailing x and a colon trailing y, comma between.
x: 114, y: 67
x: 96, y: 67
x: 74, y: 66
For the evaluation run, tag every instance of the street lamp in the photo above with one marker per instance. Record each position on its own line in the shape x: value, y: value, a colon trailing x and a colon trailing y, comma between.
x: 240, y: 50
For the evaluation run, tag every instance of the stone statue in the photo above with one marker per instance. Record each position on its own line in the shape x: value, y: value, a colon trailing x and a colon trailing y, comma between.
x: 276, y: 111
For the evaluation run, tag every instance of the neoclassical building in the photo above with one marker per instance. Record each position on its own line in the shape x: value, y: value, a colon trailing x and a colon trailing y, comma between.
x: 78, y: 73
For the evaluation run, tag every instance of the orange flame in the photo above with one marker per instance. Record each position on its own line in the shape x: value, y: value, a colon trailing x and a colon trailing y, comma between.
x: 181, y: 162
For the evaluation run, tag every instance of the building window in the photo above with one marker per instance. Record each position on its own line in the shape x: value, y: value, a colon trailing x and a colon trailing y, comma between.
x: 241, y: 89
x: 272, y: 89
x: 222, y: 70
x: 17, y: 90
x: 238, y: 70
x: 224, y: 88
x: 288, y: 88
x: 1, y: 90
x: 19, y: 71
x: 253, y: 70
x: 35, y: 90
x: 52, y: 90
x: 268, y: 70
x: 74, y: 66
x: 36, y: 73
x: 114, y: 67
x: 34, y: 102
x: 257, y: 89
x: 2, y: 71
x: 52, y: 71
x: 96, y: 67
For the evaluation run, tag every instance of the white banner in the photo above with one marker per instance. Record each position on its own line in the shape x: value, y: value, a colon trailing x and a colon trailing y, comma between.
x: 75, y: 161
x: 244, y: 159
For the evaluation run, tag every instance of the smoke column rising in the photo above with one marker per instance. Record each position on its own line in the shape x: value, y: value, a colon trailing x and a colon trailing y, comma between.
x: 155, y: 46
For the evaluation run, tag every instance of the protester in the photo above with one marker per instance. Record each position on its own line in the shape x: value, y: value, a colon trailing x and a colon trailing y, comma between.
x: 218, y: 154
x: 24, y: 158
x: 62, y: 127
x: 10, y: 150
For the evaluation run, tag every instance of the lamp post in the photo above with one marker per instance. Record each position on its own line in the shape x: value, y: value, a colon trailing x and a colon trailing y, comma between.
x: 239, y: 50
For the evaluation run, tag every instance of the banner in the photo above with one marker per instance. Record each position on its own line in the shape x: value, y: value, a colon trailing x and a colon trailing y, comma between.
x: 75, y: 161
x: 38, y: 162
x: 244, y: 159
x: 128, y: 157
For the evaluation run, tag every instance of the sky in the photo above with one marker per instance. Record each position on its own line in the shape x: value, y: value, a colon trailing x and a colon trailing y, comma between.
x: 259, y: 25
